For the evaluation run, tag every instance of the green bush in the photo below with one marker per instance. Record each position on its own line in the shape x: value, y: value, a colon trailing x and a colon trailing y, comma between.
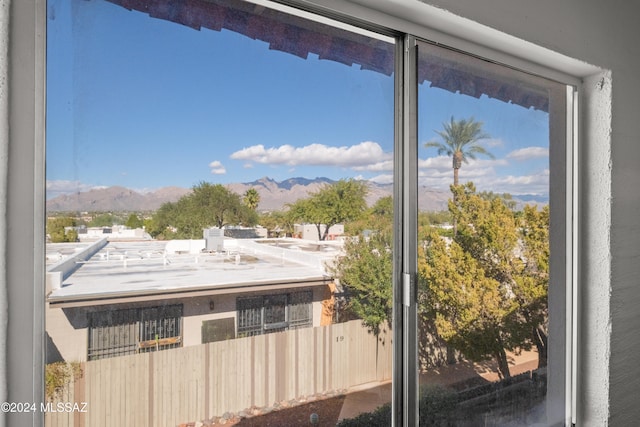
x: 436, y: 405
x: 380, y: 417
x: 58, y: 375
x: 436, y: 408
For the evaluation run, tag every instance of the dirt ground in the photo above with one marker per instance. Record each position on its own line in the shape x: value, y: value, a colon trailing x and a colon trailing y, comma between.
x: 328, y: 411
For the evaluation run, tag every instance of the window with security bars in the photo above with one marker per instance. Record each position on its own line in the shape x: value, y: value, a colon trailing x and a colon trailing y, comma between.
x: 113, y: 333
x: 160, y: 327
x: 274, y: 313
x: 300, y: 310
x: 136, y: 330
x: 249, y: 316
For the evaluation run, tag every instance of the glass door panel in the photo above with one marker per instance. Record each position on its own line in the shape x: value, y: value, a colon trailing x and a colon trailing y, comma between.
x: 220, y: 171
x: 487, y: 136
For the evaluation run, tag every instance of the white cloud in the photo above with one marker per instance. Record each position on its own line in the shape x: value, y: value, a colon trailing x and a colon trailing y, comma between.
x: 437, y: 172
x: 361, y: 155
x: 217, y: 168
x: 382, y: 179
x: 443, y: 164
x: 491, y: 143
x: 537, y: 183
x: 59, y: 187
x: 66, y: 187
x: 528, y: 153
x: 384, y: 166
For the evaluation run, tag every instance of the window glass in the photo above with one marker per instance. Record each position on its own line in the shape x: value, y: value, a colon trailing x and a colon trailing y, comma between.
x: 485, y: 134
x: 219, y: 211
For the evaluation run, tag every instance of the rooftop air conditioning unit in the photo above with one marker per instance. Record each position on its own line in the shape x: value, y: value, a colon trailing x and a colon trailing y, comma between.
x: 214, y: 239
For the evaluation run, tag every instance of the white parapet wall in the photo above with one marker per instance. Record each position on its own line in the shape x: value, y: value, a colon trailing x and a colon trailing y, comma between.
x: 68, y: 265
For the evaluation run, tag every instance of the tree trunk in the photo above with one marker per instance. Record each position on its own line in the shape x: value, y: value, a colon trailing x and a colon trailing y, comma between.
x: 455, y: 184
x: 326, y: 232
x: 503, y: 364
x: 451, y: 355
x: 540, y: 340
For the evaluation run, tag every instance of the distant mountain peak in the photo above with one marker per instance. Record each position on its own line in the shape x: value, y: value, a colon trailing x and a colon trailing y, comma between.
x: 288, y: 183
x: 274, y: 196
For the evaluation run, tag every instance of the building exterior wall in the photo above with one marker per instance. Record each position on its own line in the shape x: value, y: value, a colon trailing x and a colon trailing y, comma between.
x: 64, y: 340
x: 310, y: 231
x: 197, y: 310
x: 68, y: 329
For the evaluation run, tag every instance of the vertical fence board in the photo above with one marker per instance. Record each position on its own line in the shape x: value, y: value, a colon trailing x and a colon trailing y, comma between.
x: 169, y: 387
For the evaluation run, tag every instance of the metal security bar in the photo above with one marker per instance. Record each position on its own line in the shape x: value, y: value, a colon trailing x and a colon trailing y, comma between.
x: 130, y: 331
x: 274, y: 313
x: 300, y: 313
x: 112, y: 333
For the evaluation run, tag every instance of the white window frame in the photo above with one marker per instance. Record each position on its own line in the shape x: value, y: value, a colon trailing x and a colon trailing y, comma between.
x: 25, y: 202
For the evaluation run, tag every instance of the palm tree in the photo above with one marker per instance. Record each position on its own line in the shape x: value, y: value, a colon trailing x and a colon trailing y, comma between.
x: 251, y: 198
x: 460, y: 141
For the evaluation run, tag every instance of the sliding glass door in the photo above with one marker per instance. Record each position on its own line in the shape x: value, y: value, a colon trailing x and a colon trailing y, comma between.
x: 492, y: 186
x: 226, y: 166
x: 259, y: 212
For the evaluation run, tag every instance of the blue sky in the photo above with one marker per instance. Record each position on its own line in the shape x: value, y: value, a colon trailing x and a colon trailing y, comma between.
x: 145, y: 103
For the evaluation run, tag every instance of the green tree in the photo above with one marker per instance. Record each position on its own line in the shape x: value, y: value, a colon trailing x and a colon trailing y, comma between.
x: 277, y: 223
x: 365, y: 270
x: 134, y: 221
x: 460, y: 141
x: 532, y: 283
x: 103, y: 220
x: 59, y: 230
x: 378, y: 218
x: 334, y: 204
x: 208, y: 205
x: 512, y: 249
x: 468, y: 308
x: 160, y: 226
x: 251, y: 198
x: 506, y: 198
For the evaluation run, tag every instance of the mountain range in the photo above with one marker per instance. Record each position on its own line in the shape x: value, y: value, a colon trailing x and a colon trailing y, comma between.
x: 274, y: 195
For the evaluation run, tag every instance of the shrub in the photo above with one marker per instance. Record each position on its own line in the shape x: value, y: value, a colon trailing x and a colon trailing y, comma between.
x: 436, y: 408
x: 58, y: 375
x: 380, y: 417
x: 436, y: 405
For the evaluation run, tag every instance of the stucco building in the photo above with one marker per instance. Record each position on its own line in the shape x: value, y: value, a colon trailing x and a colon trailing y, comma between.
x: 114, y: 298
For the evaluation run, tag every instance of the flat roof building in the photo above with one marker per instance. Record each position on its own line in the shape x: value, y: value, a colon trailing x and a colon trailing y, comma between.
x: 113, y: 298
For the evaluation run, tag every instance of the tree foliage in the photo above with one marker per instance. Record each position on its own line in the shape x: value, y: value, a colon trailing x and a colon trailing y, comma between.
x: 333, y: 204
x: 208, y: 205
x: 377, y: 218
x: 469, y: 308
x: 104, y: 220
x: 277, y: 223
x: 365, y: 270
x: 460, y: 141
x: 251, y: 198
x: 134, y: 221
x: 59, y: 230
x: 499, y: 258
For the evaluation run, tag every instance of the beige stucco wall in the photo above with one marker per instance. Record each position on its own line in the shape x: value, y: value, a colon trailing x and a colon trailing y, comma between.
x: 69, y: 341
x: 68, y: 329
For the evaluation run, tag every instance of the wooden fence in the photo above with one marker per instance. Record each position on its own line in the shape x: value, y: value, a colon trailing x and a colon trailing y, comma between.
x: 194, y: 383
